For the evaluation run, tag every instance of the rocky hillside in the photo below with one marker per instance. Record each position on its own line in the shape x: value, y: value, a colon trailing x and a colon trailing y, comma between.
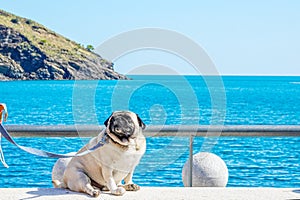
x: 29, y: 51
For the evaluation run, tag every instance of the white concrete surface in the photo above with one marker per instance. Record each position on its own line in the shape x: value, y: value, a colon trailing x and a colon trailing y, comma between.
x: 157, y: 193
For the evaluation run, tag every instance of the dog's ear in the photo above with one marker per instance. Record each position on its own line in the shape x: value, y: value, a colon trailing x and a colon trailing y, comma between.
x: 141, y: 123
x: 107, y: 120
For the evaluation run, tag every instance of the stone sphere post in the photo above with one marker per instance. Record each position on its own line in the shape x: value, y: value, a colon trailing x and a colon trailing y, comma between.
x: 208, y: 170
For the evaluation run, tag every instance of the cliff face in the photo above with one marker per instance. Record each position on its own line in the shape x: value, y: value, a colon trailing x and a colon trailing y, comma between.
x: 29, y: 51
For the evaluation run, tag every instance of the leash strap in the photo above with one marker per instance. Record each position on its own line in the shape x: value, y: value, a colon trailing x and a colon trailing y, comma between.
x: 42, y: 153
x: 2, y: 159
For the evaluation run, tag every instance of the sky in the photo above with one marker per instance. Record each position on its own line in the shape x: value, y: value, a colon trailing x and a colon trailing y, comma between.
x: 240, y: 37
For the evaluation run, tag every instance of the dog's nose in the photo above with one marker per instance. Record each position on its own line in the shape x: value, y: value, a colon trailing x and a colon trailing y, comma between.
x: 128, y: 134
x: 128, y: 131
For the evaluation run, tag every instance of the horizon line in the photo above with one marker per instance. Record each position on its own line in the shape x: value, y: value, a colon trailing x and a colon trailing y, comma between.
x: 212, y: 75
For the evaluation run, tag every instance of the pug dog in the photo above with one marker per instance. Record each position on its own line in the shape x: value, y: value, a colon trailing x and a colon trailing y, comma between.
x: 106, y: 167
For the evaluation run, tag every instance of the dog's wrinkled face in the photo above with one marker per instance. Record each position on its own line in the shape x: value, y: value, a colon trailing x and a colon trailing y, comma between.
x: 123, y: 125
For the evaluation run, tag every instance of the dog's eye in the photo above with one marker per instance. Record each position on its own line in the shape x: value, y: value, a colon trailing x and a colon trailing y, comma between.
x: 117, y: 129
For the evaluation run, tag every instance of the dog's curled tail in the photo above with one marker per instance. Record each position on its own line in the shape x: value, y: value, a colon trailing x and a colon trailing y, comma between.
x: 58, y: 184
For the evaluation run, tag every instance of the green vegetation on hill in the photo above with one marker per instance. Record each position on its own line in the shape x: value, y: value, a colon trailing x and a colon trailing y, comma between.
x: 46, y: 51
x: 46, y: 40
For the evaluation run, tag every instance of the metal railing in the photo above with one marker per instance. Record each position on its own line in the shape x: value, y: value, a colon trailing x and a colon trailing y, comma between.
x: 158, y: 131
x: 161, y: 131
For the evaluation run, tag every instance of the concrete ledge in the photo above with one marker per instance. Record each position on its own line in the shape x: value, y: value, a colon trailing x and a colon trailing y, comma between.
x: 157, y: 131
x: 157, y: 193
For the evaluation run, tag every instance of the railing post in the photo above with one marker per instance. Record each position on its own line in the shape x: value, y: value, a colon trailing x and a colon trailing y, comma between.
x: 191, y: 161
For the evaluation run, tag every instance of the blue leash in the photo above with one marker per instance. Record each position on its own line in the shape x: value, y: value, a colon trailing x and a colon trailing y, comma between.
x: 42, y: 153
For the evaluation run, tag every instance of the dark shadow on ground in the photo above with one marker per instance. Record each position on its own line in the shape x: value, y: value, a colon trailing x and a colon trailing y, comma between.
x: 297, y: 191
x: 40, y: 192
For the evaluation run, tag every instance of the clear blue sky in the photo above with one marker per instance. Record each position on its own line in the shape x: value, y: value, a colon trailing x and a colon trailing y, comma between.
x: 241, y: 37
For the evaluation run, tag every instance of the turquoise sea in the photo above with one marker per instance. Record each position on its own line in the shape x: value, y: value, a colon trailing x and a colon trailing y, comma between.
x: 170, y: 100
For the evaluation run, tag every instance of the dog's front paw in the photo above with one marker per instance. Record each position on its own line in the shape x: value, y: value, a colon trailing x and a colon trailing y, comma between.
x: 131, y: 187
x: 119, y: 191
x: 95, y: 193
